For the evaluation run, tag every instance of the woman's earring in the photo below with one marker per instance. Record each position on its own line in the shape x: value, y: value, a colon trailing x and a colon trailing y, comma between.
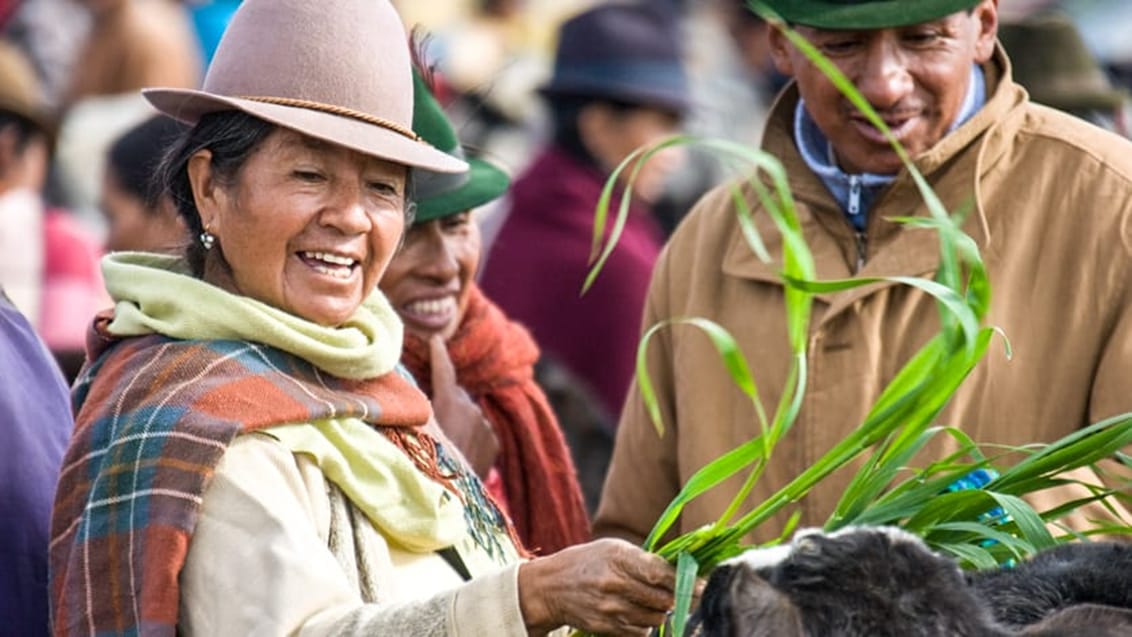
x: 207, y: 239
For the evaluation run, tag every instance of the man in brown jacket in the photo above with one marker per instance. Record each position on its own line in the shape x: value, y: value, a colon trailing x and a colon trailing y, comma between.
x: 1050, y: 202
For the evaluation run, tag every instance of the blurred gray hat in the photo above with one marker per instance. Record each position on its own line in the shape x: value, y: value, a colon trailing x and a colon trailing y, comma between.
x: 627, y: 52
x: 1051, y: 61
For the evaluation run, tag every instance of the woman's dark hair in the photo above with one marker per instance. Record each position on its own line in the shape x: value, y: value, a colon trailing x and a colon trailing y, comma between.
x: 232, y: 136
x: 24, y: 127
x: 136, y: 156
x: 564, y: 113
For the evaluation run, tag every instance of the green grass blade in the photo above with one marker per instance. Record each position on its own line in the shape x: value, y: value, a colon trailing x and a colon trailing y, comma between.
x: 1072, y: 506
x: 1084, y: 447
x: 686, y: 570
x: 637, y: 159
x: 976, y: 556
x: 729, y: 352
x: 866, y: 486
x: 1017, y: 547
x: 1029, y: 523
x: 644, y: 381
x: 701, y: 481
x: 747, y: 225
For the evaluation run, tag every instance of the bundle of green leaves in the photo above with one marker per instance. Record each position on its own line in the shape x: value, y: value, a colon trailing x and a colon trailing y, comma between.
x: 885, y: 490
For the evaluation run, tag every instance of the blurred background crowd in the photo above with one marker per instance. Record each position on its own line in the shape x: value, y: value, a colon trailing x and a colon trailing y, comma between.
x: 78, y: 145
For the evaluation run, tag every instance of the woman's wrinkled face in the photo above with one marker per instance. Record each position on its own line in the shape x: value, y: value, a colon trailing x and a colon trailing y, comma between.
x: 307, y: 227
x: 428, y: 281
x: 915, y: 77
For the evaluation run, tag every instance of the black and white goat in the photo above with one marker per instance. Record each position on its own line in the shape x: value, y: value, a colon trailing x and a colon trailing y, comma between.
x: 881, y: 582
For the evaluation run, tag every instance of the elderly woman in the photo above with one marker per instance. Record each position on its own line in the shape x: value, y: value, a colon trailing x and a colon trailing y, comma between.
x: 475, y: 364
x: 247, y: 459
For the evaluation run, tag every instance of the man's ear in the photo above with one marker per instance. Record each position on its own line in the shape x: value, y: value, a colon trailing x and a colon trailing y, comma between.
x: 780, y: 50
x: 986, y: 17
x: 206, y: 189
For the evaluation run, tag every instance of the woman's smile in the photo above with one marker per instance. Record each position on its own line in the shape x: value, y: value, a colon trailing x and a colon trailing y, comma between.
x: 432, y: 314
x: 430, y: 278
x: 337, y: 266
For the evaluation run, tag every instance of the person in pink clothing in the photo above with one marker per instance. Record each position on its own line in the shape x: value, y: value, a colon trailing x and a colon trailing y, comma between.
x: 618, y: 84
x: 73, y: 291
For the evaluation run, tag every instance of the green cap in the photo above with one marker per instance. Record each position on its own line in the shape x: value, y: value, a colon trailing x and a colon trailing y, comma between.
x: 865, y: 14
x: 443, y: 194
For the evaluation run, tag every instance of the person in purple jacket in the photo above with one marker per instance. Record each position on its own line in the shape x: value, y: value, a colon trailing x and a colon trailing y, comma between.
x: 35, y: 425
x: 618, y: 84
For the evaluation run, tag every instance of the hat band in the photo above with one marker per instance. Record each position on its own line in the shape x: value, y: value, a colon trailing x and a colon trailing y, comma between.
x: 336, y: 110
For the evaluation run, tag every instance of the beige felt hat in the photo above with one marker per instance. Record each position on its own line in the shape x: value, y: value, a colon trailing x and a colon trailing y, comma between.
x: 20, y: 91
x: 339, y: 71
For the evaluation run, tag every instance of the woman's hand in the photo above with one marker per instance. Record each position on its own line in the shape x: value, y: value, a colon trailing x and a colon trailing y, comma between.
x: 604, y: 586
x: 458, y: 415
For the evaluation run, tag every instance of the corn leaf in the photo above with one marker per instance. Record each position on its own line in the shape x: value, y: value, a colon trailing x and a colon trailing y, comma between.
x: 638, y: 158
x: 686, y: 570
x: 973, y: 555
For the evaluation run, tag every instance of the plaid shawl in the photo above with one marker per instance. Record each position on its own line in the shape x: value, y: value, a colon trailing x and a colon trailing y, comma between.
x: 494, y: 359
x: 155, y: 415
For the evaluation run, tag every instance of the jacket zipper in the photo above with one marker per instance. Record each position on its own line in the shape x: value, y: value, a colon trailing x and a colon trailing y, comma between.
x: 854, y: 210
x: 862, y: 250
x: 854, y: 195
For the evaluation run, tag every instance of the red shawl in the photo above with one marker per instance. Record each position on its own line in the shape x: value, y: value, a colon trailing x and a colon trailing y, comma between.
x: 494, y: 360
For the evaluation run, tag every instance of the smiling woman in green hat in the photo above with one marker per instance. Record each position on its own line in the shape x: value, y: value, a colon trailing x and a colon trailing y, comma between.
x: 1037, y: 190
x: 476, y: 365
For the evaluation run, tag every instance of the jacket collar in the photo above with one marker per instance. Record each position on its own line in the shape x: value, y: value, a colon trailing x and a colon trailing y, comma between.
x: 892, y: 248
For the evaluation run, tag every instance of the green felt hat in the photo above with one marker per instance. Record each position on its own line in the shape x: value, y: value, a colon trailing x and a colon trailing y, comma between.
x: 443, y: 194
x: 865, y: 14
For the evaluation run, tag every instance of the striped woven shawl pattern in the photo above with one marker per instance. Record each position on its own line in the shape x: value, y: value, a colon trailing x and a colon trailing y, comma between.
x: 155, y: 416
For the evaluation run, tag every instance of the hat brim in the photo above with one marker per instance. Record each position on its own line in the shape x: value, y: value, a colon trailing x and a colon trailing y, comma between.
x: 675, y: 103
x: 189, y: 106
x: 485, y: 182
x: 878, y: 14
x: 1084, y: 100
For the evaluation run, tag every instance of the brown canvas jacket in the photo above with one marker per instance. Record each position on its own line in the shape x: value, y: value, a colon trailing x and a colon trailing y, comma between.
x: 1050, y: 202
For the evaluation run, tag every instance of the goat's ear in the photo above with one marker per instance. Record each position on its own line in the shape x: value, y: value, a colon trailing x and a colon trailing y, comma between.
x: 761, y: 610
x: 715, y: 604
x: 1095, y: 620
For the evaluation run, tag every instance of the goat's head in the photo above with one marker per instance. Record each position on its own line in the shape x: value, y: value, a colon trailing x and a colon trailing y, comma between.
x: 855, y: 582
x: 880, y: 581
